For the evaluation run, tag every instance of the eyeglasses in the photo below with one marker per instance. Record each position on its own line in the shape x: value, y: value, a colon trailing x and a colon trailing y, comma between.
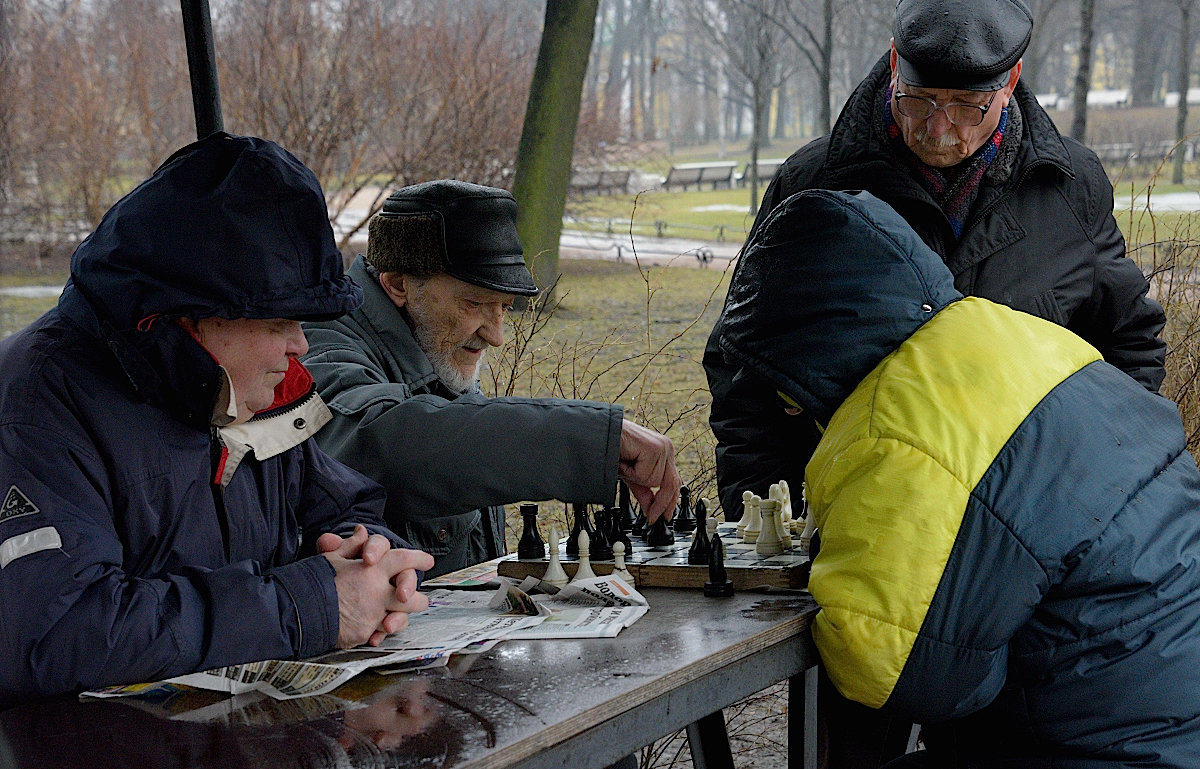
x: 958, y: 113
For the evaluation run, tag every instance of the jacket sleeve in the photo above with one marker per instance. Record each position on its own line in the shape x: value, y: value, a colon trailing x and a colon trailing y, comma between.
x: 1119, y: 318
x: 335, y: 498
x: 438, y: 457
x: 75, y: 619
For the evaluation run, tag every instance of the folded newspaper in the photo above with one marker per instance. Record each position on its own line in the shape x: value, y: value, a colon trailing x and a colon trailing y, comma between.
x: 456, y: 622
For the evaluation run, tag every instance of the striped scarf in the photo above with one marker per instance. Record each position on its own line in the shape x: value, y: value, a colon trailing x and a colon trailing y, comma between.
x: 954, y: 188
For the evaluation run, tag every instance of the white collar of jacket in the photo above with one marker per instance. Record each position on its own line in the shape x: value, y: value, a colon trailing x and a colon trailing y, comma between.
x: 269, y: 436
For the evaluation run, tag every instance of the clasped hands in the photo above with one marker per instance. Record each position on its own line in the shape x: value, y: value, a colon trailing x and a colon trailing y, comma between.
x: 376, y: 585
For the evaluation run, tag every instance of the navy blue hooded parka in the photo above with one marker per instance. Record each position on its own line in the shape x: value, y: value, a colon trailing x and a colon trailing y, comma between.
x: 138, y: 538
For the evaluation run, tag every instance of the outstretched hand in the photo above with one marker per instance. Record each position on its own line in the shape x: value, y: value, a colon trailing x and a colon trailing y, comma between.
x: 647, y: 465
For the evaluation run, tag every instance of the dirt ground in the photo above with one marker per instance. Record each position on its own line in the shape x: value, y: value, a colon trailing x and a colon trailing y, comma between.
x: 757, y: 729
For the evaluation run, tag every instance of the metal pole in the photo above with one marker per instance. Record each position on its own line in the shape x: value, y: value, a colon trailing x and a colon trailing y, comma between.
x: 202, y: 66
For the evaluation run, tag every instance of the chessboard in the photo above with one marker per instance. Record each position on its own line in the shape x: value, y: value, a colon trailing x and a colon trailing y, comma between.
x: 668, y: 566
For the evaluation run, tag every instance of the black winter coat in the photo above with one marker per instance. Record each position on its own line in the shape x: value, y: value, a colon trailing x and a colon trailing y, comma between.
x: 1043, y: 241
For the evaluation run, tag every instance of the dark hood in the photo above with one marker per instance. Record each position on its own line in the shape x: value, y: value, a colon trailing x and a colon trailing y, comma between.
x: 229, y: 226
x: 828, y: 287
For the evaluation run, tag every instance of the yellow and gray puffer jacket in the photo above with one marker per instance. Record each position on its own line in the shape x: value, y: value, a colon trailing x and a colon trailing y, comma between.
x: 1010, y: 526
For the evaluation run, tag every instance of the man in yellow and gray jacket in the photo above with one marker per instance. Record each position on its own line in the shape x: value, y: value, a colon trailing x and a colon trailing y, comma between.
x: 1010, y: 526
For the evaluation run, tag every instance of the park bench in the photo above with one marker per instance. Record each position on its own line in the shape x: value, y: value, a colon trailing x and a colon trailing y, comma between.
x: 718, y: 173
x: 766, y: 171
x: 600, y: 181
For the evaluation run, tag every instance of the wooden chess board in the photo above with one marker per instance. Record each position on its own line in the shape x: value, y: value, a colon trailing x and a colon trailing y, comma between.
x: 668, y: 566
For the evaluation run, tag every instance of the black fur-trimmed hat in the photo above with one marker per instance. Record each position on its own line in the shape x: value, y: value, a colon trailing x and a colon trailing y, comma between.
x: 465, y: 230
x: 967, y: 45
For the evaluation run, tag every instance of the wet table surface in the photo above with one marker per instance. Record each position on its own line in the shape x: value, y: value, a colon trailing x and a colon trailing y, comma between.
x: 582, y: 703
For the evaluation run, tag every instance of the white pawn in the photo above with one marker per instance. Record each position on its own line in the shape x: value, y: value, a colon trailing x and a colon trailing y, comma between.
x: 554, y: 572
x: 619, y: 569
x: 745, y: 519
x: 754, y: 525
x: 769, y: 542
x: 710, y: 526
x: 585, y: 559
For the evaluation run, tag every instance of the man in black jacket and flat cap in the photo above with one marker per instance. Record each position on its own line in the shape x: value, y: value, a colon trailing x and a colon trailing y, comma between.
x: 443, y: 266
x: 945, y: 132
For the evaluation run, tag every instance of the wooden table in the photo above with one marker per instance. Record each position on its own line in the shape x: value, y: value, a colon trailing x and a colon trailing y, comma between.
x: 522, y: 704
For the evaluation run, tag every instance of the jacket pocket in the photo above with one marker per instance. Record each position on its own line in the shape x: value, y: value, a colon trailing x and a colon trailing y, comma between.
x: 1045, y: 305
x: 440, y: 537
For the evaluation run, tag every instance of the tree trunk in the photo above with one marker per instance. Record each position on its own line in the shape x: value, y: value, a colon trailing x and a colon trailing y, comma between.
x: 543, y: 168
x: 1185, y: 78
x: 1147, y: 56
x: 783, y: 110
x: 1083, y: 73
x: 758, y: 99
x: 614, y: 85
x: 825, y: 114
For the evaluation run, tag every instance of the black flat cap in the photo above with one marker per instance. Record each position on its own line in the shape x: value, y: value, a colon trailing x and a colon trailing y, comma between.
x: 967, y: 45
x: 466, y: 230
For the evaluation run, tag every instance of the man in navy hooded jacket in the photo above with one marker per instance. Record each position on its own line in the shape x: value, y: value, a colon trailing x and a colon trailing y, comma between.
x: 165, y: 511
x: 1009, y: 525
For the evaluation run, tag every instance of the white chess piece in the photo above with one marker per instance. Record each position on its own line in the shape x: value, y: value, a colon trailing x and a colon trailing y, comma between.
x: 710, y: 526
x: 778, y: 493
x: 769, y: 542
x: 810, y: 521
x: 554, y: 572
x: 745, y: 519
x: 754, y: 525
x: 619, y: 569
x: 585, y: 558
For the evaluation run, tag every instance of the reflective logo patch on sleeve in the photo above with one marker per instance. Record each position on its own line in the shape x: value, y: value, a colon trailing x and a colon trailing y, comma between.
x: 16, y: 504
x: 45, y: 538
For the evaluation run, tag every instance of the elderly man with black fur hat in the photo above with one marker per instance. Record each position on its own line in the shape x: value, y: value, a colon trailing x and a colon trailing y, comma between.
x: 165, y: 510
x: 443, y: 267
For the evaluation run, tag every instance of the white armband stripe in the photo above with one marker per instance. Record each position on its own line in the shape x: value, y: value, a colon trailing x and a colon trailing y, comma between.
x: 45, y: 538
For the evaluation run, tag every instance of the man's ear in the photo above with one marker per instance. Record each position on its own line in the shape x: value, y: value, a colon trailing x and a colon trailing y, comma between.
x: 396, y: 285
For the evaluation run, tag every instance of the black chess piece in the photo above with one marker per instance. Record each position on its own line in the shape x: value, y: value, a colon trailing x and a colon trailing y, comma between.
x: 580, y: 522
x: 684, y: 521
x: 615, y: 533
x: 639, y: 525
x: 719, y: 585
x: 700, y: 512
x: 600, y: 548
x: 698, y: 553
x: 625, y: 515
x: 659, y: 534
x: 531, y: 545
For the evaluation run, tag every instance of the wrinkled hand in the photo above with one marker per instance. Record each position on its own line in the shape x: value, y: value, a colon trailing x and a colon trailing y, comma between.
x: 647, y: 463
x: 376, y: 585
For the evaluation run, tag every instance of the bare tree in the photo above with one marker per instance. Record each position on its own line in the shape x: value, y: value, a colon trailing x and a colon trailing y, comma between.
x: 6, y: 93
x: 1083, y: 70
x: 1184, y: 79
x: 749, y: 43
x: 543, y: 168
x: 809, y: 25
x: 1148, y: 54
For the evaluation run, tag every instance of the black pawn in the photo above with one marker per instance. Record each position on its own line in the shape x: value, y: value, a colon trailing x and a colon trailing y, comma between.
x: 684, y: 521
x: 531, y: 545
x: 698, y: 553
x: 625, y: 507
x: 719, y: 584
x: 615, y: 534
x: 600, y: 549
x: 580, y: 522
x: 659, y: 534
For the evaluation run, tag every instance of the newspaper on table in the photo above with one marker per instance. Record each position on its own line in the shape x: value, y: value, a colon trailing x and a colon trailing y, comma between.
x: 456, y: 621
